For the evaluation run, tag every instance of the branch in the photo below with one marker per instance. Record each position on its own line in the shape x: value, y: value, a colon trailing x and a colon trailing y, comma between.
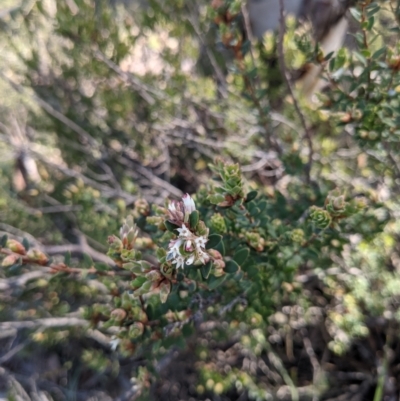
x: 20, y: 281
x: 45, y: 323
x: 281, y: 57
x: 127, y: 77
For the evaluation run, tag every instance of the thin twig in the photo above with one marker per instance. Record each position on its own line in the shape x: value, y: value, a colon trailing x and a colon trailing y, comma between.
x: 314, y: 362
x: 281, y: 57
x: 218, y: 72
x: 20, y: 281
x: 45, y: 323
x: 127, y: 77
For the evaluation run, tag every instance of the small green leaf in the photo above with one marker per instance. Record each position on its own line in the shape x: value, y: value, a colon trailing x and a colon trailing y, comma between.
x: 150, y: 312
x: 262, y: 206
x: 214, y: 282
x: 67, y: 258
x: 138, y: 282
x: 379, y: 53
x: 251, y: 195
x: 231, y: 267
x: 255, y: 212
x: 101, y: 267
x: 87, y: 260
x: 192, y: 286
x: 171, y: 227
x: 161, y: 252
x: 220, y: 248
x: 133, y: 267
x: 25, y: 243
x: 355, y: 13
x: 194, y: 218
x: 4, y: 240
x: 216, y: 198
x: 361, y: 58
x: 187, y: 330
x: 206, y: 270
x: 213, y: 241
x: 241, y: 255
x: 193, y: 273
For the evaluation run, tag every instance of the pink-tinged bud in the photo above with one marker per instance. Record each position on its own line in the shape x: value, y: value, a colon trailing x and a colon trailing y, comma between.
x: 189, y: 246
x: 136, y: 330
x: 142, y: 207
x: 118, y: 314
x: 218, y: 272
x: 214, y: 253
x: 339, y: 203
x: 37, y: 256
x: 15, y: 246
x: 115, y: 242
x: 9, y: 260
x: 219, y: 264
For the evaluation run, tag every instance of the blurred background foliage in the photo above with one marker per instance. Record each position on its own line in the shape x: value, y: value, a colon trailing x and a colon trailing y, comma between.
x: 105, y: 103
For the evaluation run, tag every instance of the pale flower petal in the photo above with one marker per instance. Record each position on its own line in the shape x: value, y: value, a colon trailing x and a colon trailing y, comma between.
x: 190, y: 260
x: 180, y: 262
x: 201, y: 242
x: 203, y: 257
x: 188, y: 203
x: 184, y: 232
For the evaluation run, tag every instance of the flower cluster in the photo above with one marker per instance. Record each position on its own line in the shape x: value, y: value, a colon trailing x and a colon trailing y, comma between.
x: 190, y: 245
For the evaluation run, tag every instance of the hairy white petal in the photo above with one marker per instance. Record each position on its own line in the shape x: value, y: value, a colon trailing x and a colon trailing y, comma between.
x: 188, y: 203
x: 184, y: 232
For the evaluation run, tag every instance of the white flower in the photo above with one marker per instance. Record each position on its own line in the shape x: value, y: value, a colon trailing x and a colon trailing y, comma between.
x: 200, y: 242
x: 180, y: 261
x: 114, y: 343
x: 184, y: 232
x: 174, y: 249
x: 172, y: 207
x: 203, y: 257
x: 190, y: 260
x: 188, y: 203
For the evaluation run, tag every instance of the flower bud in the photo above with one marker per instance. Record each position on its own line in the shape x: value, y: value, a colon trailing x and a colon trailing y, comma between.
x: 297, y: 235
x: 255, y: 241
x: 154, y: 220
x: 9, y: 260
x: 335, y: 204
x: 118, y: 314
x: 136, y: 330
x: 218, y: 223
x: 216, y: 255
x: 142, y: 207
x: 115, y: 243
x: 219, y: 264
x: 128, y: 233
x: 202, y: 229
x: 15, y: 246
x: 217, y: 271
x: 320, y: 217
x: 37, y: 256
